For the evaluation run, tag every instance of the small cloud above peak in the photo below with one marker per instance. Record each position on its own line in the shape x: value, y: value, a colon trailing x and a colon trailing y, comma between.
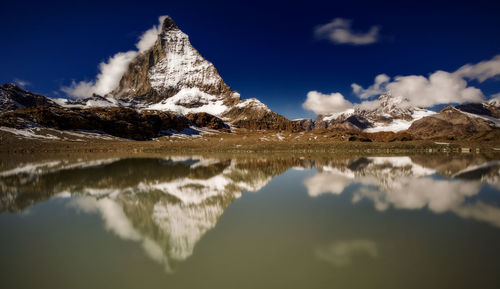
x: 339, y: 31
x: 21, y: 83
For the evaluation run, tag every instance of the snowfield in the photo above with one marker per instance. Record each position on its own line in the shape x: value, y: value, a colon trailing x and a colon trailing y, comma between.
x: 401, y: 124
x: 189, y: 96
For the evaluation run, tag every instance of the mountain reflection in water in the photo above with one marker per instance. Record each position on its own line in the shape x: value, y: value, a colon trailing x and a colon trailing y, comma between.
x: 168, y: 204
x: 404, y: 184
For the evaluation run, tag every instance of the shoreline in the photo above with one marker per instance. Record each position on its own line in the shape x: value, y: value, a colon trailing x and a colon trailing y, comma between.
x: 239, y: 144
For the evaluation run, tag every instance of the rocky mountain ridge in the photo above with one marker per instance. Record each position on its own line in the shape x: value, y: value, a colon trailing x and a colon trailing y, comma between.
x: 386, y: 113
x: 94, y: 114
x: 453, y: 123
x: 13, y: 97
x: 171, y: 86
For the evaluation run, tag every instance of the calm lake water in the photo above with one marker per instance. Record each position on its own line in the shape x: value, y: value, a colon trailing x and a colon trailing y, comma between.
x: 195, y: 222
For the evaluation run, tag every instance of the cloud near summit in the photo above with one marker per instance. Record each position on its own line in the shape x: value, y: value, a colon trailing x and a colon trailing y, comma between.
x: 439, y: 87
x: 112, y: 70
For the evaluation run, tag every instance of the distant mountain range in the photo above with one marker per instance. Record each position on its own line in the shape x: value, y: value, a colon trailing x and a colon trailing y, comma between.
x: 396, y: 114
x: 172, y: 87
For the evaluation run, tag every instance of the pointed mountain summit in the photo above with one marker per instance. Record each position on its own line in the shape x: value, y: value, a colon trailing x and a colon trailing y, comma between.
x: 173, y: 76
x: 169, y: 66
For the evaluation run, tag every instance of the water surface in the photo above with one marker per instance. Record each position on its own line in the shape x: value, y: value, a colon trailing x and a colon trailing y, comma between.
x: 198, y: 222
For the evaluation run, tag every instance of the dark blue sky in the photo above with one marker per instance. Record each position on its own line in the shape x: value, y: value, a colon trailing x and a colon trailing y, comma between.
x: 262, y: 49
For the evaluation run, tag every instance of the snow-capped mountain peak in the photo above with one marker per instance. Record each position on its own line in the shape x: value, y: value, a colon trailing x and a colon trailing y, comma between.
x: 169, y: 66
x: 386, y: 113
x: 183, y: 66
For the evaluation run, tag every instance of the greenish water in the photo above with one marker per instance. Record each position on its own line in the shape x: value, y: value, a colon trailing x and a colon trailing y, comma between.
x: 194, y: 222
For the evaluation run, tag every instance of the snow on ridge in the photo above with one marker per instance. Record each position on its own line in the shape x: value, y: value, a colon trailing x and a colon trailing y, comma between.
x: 494, y: 120
x: 472, y: 168
x: 208, y: 103
x: 27, y: 133
x: 190, y: 191
x: 253, y: 102
x: 89, y: 102
x: 401, y: 124
x: 182, y: 66
x: 29, y: 168
x: 332, y: 116
x: 48, y: 166
x: 397, y: 162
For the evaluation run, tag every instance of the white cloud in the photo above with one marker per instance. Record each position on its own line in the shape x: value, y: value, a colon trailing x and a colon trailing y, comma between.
x: 112, y: 213
x: 21, y: 83
x: 377, y: 88
x: 148, y: 38
x: 440, y: 87
x: 406, y: 193
x: 328, y: 182
x: 108, y: 79
x: 112, y: 70
x: 339, y: 31
x: 480, y: 71
x: 321, y: 103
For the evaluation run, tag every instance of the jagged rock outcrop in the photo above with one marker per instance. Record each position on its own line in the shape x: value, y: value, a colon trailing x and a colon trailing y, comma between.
x: 203, y: 119
x: 93, y: 101
x: 491, y: 108
x: 12, y: 97
x: 254, y: 115
x: 343, y: 122
x: 117, y: 121
x: 304, y: 123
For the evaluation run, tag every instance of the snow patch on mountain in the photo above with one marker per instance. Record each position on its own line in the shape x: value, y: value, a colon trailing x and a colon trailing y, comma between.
x: 254, y: 103
x: 333, y: 116
x: 29, y: 133
x: 386, y: 113
x: 400, y: 124
x: 494, y: 120
x: 182, y: 66
x: 88, y: 102
x: 191, y: 100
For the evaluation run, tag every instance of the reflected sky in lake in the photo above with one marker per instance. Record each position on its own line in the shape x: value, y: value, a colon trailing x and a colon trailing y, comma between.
x: 192, y: 221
